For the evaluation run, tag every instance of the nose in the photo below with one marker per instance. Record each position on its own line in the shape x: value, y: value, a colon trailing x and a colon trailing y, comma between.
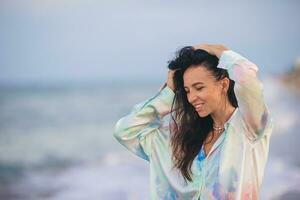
x: 192, y: 97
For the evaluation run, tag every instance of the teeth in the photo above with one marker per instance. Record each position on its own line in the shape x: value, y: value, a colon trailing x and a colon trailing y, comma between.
x: 199, y: 105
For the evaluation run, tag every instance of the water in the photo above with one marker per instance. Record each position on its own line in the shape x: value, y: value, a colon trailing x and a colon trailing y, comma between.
x: 282, y: 173
x: 56, y: 142
x: 57, y: 139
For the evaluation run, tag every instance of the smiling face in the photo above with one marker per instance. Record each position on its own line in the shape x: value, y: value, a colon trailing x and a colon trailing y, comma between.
x: 203, y: 91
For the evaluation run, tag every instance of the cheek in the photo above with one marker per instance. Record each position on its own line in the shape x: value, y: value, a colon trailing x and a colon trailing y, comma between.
x: 209, y: 93
x: 212, y: 97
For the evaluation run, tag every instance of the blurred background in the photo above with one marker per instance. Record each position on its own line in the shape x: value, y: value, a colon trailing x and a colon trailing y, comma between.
x: 70, y: 69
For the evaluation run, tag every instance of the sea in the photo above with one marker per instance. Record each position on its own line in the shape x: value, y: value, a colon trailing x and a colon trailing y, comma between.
x: 56, y: 142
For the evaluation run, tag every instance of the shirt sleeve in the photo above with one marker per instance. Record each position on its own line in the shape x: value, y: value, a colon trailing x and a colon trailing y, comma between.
x: 134, y: 129
x: 249, y: 93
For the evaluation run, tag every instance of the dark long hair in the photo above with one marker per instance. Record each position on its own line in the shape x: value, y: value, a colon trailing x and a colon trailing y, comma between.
x: 190, y: 129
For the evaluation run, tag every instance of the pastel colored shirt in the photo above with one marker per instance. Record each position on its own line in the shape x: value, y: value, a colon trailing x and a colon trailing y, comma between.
x: 234, y: 167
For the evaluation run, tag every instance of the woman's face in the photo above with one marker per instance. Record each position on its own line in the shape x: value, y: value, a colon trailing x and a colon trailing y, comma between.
x: 203, y: 90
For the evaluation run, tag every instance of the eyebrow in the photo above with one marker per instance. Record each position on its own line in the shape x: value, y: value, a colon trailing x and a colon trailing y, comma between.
x: 194, y: 84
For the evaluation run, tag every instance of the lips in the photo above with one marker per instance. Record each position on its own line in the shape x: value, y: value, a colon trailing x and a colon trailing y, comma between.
x: 199, y: 106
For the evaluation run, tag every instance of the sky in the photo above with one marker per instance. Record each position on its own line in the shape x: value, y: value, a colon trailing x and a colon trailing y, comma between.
x: 84, y: 40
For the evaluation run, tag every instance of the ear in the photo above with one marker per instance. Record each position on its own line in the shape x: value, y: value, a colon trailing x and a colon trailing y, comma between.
x: 225, y: 84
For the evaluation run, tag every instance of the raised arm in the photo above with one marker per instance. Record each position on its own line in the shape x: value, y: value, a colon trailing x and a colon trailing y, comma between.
x: 135, y: 129
x: 249, y: 93
x: 248, y: 90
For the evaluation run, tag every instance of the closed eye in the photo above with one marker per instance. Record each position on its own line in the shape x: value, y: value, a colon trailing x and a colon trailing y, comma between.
x: 199, y: 88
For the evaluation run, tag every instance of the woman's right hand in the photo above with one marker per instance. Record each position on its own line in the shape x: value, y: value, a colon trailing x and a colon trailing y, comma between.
x: 170, y: 82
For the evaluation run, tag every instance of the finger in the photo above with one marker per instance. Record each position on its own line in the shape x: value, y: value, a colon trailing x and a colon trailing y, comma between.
x: 202, y: 46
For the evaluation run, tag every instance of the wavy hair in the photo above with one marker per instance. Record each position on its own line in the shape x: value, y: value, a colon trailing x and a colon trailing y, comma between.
x: 191, y: 130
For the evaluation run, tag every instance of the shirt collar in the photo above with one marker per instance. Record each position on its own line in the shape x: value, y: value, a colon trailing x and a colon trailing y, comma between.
x: 230, y: 120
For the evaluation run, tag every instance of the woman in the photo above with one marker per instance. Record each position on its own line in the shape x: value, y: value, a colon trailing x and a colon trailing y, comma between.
x: 206, y: 132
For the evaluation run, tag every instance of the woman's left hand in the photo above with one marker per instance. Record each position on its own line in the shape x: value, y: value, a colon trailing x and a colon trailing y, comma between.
x: 214, y: 49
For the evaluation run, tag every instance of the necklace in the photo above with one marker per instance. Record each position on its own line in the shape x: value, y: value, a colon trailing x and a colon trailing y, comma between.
x: 218, y: 128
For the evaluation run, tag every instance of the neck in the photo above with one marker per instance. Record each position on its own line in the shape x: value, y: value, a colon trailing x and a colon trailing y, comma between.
x: 220, y: 118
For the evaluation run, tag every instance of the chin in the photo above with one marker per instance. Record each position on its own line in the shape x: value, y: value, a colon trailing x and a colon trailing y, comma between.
x: 203, y: 114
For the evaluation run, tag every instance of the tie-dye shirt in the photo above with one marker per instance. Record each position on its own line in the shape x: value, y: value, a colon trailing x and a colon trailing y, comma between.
x: 234, y: 166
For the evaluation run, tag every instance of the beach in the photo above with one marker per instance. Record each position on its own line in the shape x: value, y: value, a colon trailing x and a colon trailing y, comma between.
x: 57, y: 142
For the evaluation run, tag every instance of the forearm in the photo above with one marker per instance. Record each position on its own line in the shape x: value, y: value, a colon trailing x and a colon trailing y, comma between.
x: 133, y: 129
